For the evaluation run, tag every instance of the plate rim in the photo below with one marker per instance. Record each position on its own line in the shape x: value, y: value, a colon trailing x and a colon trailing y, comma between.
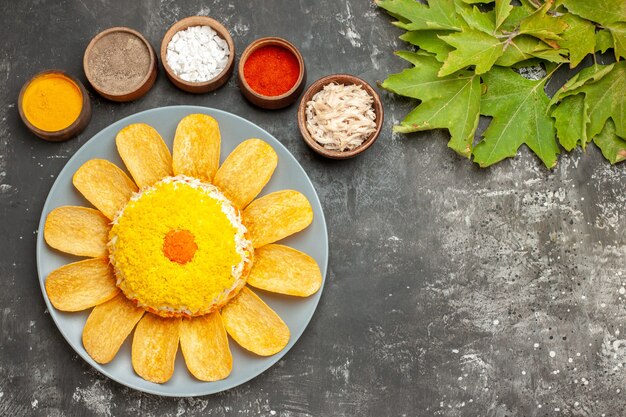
x: 98, y: 367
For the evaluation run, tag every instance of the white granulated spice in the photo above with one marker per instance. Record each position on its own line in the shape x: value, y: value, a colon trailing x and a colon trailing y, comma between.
x: 197, y: 54
x: 552, y: 354
x: 341, y: 117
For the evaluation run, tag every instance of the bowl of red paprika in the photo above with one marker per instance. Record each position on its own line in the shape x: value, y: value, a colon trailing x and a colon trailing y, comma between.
x: 271, y: 73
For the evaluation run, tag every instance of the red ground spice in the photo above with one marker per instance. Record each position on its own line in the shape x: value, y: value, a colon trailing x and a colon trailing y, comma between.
x: 179, y: 246
x: 271, y: 70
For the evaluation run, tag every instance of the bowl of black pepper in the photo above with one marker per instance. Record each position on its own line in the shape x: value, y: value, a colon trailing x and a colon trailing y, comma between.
x: 120, y: 64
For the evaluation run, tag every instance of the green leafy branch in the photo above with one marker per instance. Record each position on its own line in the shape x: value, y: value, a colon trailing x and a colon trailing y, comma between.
x: 465, y: 66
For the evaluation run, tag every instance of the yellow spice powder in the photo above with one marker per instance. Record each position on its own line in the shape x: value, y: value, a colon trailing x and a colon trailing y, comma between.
x: 52, y: 102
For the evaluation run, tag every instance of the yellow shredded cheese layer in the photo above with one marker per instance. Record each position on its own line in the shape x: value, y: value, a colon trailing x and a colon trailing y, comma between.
x: 148, y: 277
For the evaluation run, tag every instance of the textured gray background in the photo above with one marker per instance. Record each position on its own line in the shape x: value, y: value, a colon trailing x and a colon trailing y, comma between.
x: 451, y: 291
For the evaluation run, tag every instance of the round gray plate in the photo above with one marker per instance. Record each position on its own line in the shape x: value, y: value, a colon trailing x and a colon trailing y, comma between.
x: 295, y: 311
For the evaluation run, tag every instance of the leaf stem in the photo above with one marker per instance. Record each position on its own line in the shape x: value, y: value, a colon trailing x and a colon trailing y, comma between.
x: 553, y: 71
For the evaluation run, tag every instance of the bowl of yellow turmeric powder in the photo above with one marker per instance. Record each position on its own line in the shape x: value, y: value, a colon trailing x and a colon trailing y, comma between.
x: 54, y: 105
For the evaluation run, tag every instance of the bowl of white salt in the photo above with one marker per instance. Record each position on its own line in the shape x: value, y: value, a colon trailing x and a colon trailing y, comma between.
x: 340, y: 116
x: 198, y: 54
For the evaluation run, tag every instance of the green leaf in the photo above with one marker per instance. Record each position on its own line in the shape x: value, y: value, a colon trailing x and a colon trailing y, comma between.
x: 604, y: 95
x: 606, y: 99
x: 439, y: 14
x: 451, y: 102
x: 483, y: 21
x: 460, y: 44
x: 578, y: 38
x: 571, y: 119
x: 549, y: 54
x: 423, y: 52
x: 612, y: 146
x: 428, y: 40
x: 517, y: 14
x: 503, y: 9
x: 604, y: 40
x: 412, y: 57
x: 600, y: 11
x: 543, y: 26
x: 518, y: 107
x: 618, y: 31
x: 585, y: 76
x: 524, y: 47
x: 473, y: 47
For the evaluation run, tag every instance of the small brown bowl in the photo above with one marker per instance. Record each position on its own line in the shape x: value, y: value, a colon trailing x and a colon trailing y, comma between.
x: 72, y: 130
x: 271, y: 102
x: 205, y: 86
x: 142, y: 87
x: 339, y: 79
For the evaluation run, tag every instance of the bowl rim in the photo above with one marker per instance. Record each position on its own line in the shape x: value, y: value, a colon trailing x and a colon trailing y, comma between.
x: 316, y: 87
x: 102, y: 34
x: 268, y: 41
x: 186, y: 23
x: 69, y: 131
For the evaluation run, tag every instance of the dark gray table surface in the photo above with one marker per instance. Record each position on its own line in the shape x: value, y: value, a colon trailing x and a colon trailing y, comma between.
x: 451, y: 291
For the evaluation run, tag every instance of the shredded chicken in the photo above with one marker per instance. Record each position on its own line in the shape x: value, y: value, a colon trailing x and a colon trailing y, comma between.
x: 340, y: 117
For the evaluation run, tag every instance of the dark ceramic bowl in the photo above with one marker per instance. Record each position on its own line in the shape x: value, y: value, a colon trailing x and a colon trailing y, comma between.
x: 142, y: 88
x: 271, y: 102
x: 339, y: 79
x: 215, y: 82
x: 72, y: 130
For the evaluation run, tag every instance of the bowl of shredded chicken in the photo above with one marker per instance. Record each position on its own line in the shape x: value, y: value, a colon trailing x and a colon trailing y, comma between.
x: 340, y: 116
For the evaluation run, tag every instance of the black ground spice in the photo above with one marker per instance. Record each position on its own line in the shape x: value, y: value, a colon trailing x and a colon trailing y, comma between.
x: 118, y: 63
